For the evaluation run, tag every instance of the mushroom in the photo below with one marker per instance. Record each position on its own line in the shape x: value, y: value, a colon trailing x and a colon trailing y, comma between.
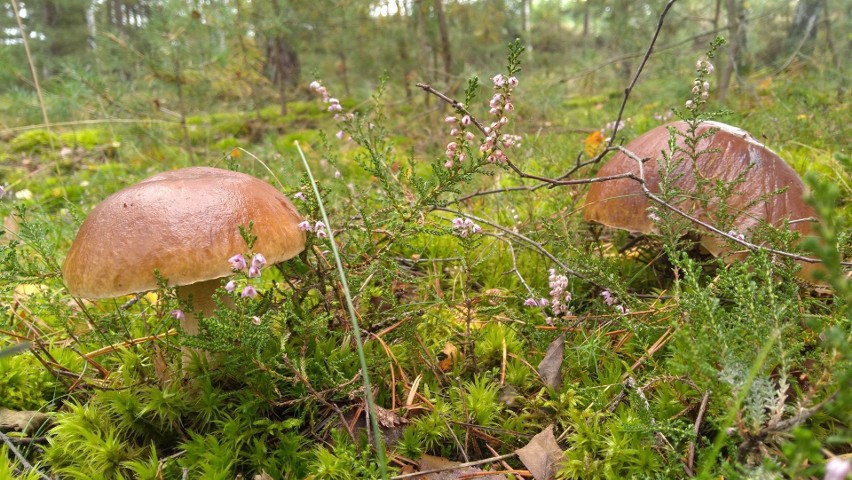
x: 183, y: 224
x: 728, y: 153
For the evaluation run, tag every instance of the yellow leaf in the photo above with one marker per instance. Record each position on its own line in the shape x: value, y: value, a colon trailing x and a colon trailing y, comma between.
x: 593, y: 143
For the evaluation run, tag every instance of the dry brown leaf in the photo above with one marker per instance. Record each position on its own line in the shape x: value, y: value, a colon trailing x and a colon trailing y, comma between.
x: 551, y: 365
x: 388, y: 419
x: 542, y: 455
x: 429, y: 462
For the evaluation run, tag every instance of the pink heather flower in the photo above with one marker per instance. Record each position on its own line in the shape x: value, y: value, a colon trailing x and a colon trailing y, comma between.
x: 450, y: 154
x: 837, y: 469
x: 337, y: 174
x: 608, y: 298
x: 315, y: 85
x: 469, y: 136
x: 339, y: 134
x: 695, y: 90
x: 494, y: 111
x: 513, y: 82
x: 305, y: 226
x: 559, y: 298
x: 230, y: 286
x: 333, y: 100
x: 509, y: 107
x: 238, y: 262
x: 178, y: 315
x: 465, y: 226
x: 462, y: 156
x: 531, y: 302
x: 249, y: 292
x: 709, y: 66
x: 319, y: 226
x: 448, y: 164
x: 299, y: 196
x: 621, y: 309
x: 465, y: 120
x: 504, y: 120
x: 451, y: 147
x: 653, y: 217
x: 498, y: 80
x: 690, y: 104
x: 335, y: 107
x: 454, y: 132
x: 253, y: 272
x: 258, y: 261
x: 706, y: 86
x: 705, y: 95
x: 256, y: 320
x: 450, y: 119
x: 322, y: 234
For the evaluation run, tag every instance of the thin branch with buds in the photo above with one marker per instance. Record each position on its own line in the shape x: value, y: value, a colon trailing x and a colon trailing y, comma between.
x: 532, y: 243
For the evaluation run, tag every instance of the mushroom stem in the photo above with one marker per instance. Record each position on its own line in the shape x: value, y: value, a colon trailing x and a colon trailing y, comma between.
x: 199, y: 296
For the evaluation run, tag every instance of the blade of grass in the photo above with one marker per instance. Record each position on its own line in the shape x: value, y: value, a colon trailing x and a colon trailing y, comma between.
x: 356, y: 330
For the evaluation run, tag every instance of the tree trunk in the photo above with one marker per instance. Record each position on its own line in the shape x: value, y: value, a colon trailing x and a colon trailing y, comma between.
x: 446, y: 51
x: 736, y: 46
x: 804, y: 28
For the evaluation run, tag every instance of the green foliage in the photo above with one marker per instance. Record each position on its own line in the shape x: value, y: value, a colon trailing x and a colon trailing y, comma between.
x: 34, y: 140
x: 24, y: 383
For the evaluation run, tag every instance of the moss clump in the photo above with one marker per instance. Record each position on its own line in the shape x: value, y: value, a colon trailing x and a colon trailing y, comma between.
x: 34, y: 140
x: 88, y: 138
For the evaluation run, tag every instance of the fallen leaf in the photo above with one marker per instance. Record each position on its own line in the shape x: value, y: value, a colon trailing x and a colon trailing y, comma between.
x: 542, y: 455
x: 453, y: 472
x: 448, y: 356
x: 592, y: 143
x: 551, y: 365
x: 388, y: 419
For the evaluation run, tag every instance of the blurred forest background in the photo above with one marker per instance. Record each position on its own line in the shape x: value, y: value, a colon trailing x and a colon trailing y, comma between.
x: 164, y: 60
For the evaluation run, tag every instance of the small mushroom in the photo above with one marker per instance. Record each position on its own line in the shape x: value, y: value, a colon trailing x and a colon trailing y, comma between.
x: 727, y: 154
x: 183, y: 224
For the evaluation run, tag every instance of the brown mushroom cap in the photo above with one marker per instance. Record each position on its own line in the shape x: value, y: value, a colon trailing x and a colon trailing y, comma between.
x: 184, y: 224
x: 621, y: 204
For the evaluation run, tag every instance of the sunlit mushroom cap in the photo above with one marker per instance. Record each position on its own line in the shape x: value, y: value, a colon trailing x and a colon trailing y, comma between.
x: 728, y: 153
x: 183, y: 224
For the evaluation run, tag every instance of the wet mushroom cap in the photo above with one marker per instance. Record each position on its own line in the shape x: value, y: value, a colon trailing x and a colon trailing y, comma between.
x: 728, y: 153
x: 183, y: 224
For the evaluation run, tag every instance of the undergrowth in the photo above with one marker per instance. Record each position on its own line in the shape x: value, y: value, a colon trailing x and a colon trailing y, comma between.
x: 674, y: 363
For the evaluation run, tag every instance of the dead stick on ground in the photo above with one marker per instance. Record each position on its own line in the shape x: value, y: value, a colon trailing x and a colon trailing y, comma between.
x: 691, y: 455
x: 24, y: 463
x: 129, y: 343
x: 455, y: 467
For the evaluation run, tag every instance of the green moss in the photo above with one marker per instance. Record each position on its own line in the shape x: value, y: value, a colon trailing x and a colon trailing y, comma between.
x: 34, y: 140
x: 88, y: 138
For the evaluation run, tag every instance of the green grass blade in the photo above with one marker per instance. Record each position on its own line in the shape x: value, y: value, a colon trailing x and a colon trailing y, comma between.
x: 368, y: 393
